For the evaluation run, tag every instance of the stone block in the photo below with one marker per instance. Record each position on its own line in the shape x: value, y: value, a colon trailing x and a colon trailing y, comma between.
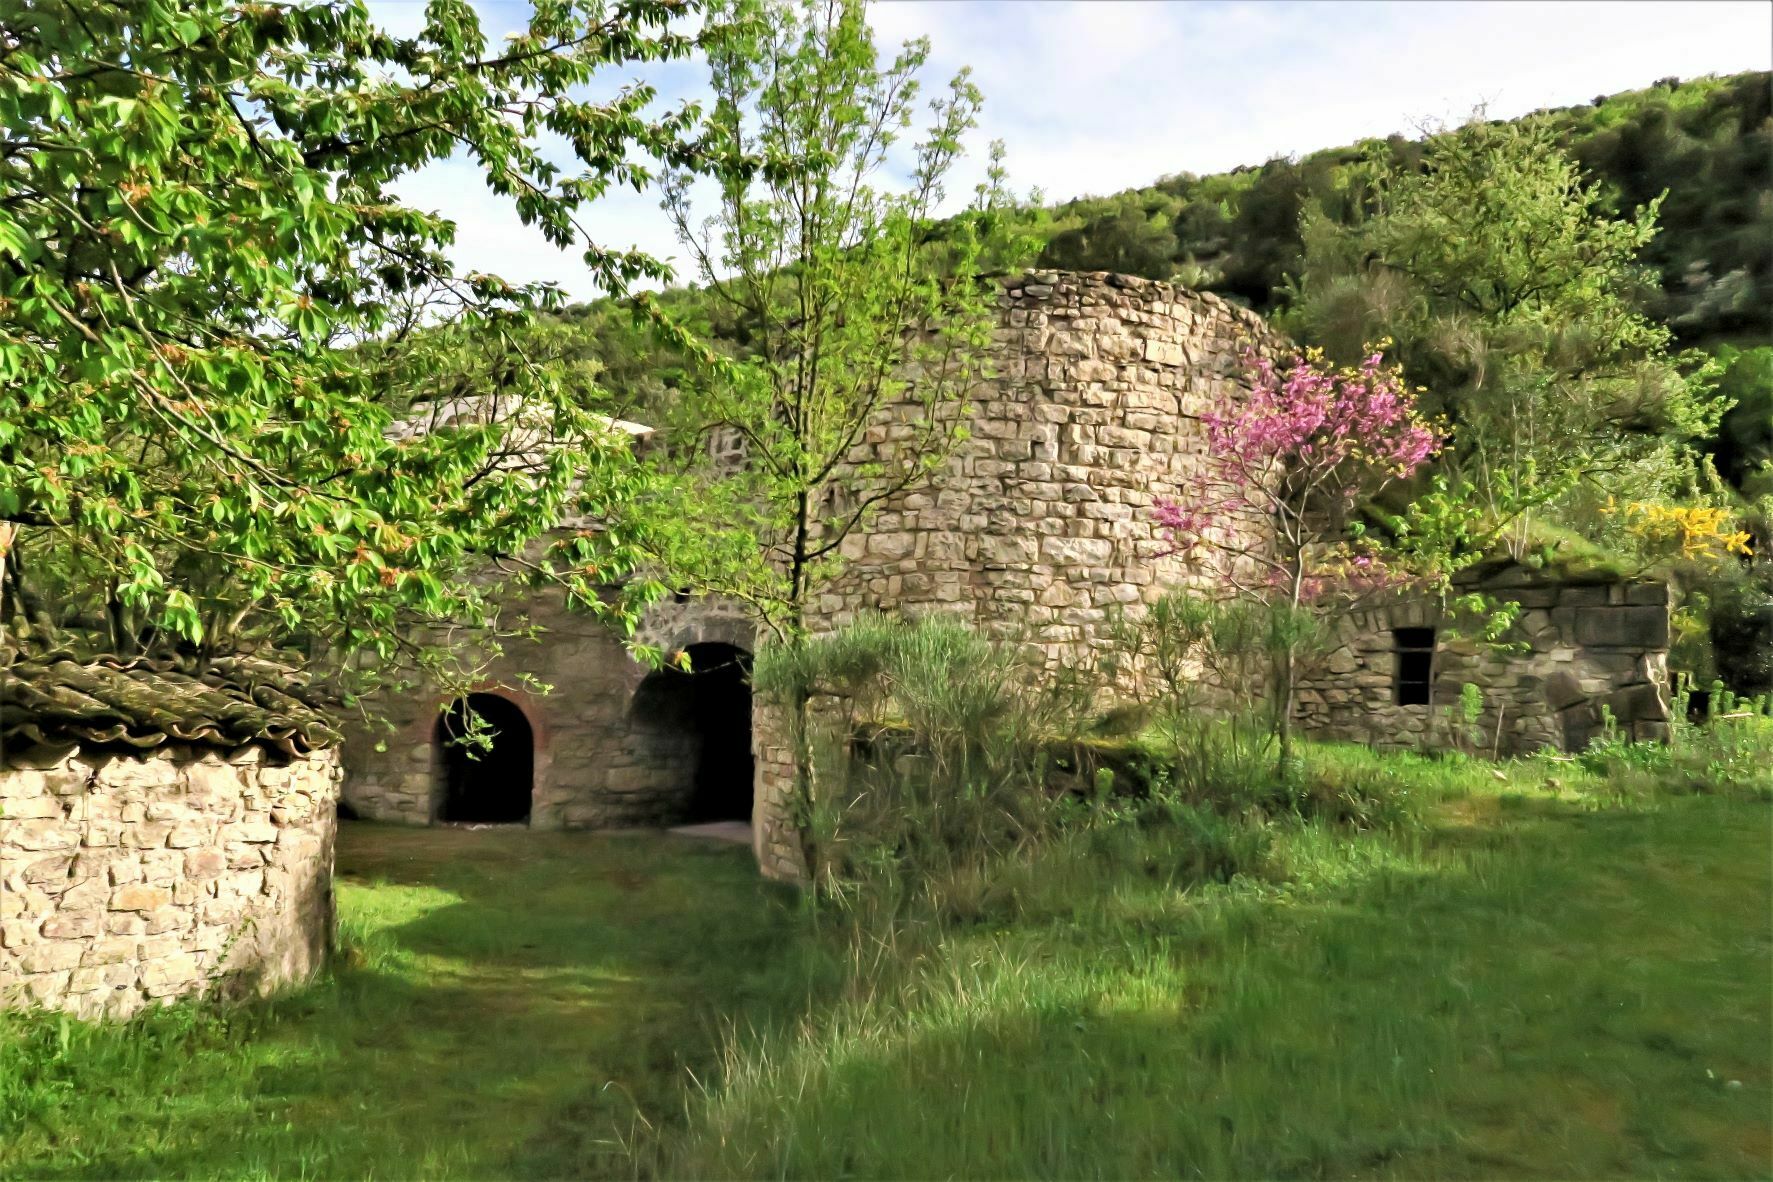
x: 52, y: 958
x: 1638, y: 703
x: 76, y: 925
x: 1592, y: 595
x: 17, y: 933
x: 41, y: 834
x: 139, y: 897
x: 1623, y: 627
x: 1646, y: 594
x: 187, y: 835
x: 204, y: 864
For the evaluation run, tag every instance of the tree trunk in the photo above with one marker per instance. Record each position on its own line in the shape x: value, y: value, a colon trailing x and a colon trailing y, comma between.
x: 1288, y: 663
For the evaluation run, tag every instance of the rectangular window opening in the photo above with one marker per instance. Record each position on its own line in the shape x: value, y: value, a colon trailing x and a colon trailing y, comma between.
x: 1413, y: 681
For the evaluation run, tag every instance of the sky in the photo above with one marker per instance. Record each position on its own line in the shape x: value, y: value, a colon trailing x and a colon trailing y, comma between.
x: 1095, y: 96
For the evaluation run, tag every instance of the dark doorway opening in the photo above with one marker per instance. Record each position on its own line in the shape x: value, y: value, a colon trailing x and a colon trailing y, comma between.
x: 702, y: 716
x: 1413, y: 679
x: 486, y: 784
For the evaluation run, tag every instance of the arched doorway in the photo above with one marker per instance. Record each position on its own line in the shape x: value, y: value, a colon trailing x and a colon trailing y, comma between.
x: 481, y: 783
x: 698, y: 726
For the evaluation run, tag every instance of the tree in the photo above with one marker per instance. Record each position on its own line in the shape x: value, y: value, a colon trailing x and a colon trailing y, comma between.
x: 848, y: 299
x: 1273, y: 511
x: 1515, y: 300
x: 211, y: 304
x: 853, y: 303
x: 1127, y: 240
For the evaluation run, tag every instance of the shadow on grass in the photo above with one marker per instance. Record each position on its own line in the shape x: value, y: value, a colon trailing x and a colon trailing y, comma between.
x: 507, y: 1004
x: 1544, y: 992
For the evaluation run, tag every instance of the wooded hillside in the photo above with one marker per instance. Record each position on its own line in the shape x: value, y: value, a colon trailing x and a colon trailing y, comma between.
x: 1708, y: 143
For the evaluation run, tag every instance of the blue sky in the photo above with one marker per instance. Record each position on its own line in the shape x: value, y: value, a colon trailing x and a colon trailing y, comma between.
x: 1093, y: 96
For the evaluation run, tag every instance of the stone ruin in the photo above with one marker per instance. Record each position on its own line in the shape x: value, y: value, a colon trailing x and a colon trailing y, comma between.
x: 1037, y: 529
x: 1589, y: 651
x: 164, y: 832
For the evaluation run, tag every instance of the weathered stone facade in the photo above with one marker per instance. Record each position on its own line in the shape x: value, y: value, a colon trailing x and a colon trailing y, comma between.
x: 1587, y: 645
x: 128, y: 879
x: 1040, y: 527
x: 1037, y: 528
x: 602, y: 758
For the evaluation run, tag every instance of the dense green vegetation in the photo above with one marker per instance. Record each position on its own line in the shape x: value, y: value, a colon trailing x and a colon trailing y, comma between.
x: 1707, y: 142
x: 1554, y: 969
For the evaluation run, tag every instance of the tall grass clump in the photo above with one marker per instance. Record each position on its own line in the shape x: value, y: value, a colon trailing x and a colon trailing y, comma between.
x: 928, y: 746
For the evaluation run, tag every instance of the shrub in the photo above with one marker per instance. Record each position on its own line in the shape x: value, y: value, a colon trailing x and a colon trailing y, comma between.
x: 931, y: 753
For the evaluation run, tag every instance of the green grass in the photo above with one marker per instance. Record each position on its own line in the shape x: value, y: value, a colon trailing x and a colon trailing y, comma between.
x: 1535, y: 985
x: 1537, y: 981
x: 511, y: 1004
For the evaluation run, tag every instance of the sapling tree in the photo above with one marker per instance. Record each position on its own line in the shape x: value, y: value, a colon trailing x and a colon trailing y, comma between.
x: 851, y: 300
x: 1516, y: 297
x: 1273, y: 512
x: 848, y: 295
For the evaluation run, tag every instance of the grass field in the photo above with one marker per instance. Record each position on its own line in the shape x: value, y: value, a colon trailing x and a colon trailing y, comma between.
x: 511, y: 1004
x: 1533, y: 991
x: 1530, y: 985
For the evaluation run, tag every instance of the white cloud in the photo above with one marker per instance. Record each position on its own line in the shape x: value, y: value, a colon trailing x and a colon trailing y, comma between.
x: 1092, y: 96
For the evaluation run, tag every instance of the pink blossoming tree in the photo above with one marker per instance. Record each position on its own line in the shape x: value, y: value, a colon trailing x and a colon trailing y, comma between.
x: 1273, y: 512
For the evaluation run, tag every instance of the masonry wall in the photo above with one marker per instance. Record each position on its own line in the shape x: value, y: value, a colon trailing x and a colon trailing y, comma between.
x: 1589, y: 646
x: 1039, y: 527
x: 601, y: 760
x: 128, y: 880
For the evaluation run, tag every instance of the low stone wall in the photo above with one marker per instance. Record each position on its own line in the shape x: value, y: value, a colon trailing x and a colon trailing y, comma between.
x: 1589, y: 646
x: 132, y: 879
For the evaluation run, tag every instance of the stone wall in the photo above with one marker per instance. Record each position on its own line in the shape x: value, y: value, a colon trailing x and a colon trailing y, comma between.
x: 1589, y: 646
x: 597, y: 765
x: 131, y: 879
x: 1039, y: 527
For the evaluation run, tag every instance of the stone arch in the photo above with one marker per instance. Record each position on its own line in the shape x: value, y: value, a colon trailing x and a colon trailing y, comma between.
x: 693, y: 727
x: 492, y: 783
x: 673, y: 627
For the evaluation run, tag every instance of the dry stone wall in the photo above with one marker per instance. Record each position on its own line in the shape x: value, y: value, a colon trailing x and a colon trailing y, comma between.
x: 1039, y: 527
x: 1590, y: 649
x: 133, y: 879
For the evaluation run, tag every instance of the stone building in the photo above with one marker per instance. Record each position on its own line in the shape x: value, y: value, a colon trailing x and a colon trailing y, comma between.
x: 163, y: 832
x: 1038, y: 528
x: 1585, y: 649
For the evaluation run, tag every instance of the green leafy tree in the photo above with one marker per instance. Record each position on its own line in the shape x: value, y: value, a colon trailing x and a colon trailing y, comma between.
x: 853, y: 304
x: 847, y: 300
x: 213, y: 308
x: 1129, y: 241
x: 1515, y: 300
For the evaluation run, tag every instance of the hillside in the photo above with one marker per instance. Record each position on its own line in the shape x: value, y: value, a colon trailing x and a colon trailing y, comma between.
x: 1707, y: 142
